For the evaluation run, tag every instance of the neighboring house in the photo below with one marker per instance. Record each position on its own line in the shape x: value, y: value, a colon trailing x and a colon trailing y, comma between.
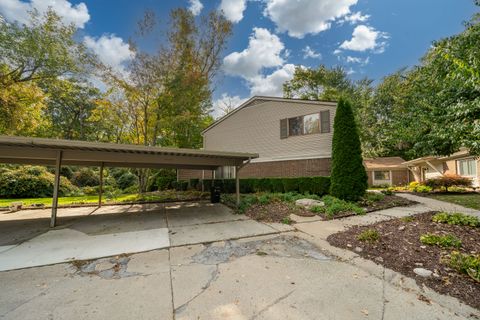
x: 293, y: 138
x: 387, y: 171
x: 460, y: 163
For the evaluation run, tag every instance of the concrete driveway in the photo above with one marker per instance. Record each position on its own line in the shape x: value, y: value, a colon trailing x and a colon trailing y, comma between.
x: 283, y: 275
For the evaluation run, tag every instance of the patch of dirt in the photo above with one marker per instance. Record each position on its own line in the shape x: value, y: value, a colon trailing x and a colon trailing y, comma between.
x: 399, y: 248
x: 276, y: 211
x: 389, y: 201
x: 106, y: 268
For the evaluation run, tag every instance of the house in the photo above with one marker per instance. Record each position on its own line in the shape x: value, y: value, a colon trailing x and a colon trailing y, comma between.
x: 293, y: 138
x: 460, y: 163
x: 387, y: 171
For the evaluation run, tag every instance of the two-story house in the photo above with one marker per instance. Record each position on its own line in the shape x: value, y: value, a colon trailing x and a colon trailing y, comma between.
x: 293, y: 138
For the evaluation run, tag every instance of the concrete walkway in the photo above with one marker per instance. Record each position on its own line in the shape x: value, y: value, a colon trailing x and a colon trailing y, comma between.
x: 438, y: 205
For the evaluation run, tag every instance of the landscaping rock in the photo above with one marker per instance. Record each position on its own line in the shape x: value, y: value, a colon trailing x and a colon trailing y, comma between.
x: 422, y: 272
x: 15, y: 206
x: 309, y: 203
x: 358, y: 249
x: 401, y: 228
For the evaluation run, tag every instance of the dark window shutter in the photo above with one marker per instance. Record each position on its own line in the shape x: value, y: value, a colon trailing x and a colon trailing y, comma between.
x: 283, y: 128
x: 325, y: 121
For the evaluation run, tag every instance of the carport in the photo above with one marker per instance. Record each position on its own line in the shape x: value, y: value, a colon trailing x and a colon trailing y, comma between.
x: 56, y: 152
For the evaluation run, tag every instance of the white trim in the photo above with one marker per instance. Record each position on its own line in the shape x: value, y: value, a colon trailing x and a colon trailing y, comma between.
x: 290, y: 158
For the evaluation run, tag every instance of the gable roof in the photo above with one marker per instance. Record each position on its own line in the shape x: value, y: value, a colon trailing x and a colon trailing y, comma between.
x: 260, y: 99
x: 384, y: 163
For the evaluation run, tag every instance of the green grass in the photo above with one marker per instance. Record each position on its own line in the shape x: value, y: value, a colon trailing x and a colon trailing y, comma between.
x: 65, y: 201
x: 471, y: 200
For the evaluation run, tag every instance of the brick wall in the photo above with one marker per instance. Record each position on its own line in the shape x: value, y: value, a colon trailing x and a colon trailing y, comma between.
x: 399, y: 177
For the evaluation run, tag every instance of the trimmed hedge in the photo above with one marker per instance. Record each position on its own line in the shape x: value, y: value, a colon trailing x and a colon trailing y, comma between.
x: 312, y: 185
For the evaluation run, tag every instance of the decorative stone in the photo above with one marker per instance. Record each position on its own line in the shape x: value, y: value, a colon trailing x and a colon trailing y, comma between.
x: 308, y: 203
x: 401, y: 228
x: 422, y: 272
x: 358, y: 249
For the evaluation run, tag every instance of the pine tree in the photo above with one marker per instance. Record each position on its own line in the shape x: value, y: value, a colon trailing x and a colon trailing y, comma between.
x: 348, y: 179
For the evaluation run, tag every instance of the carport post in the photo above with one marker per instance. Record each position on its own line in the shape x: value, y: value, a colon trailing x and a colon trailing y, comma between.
x: 56, y: 187
x: 237, y: 185
x: 100, y: 187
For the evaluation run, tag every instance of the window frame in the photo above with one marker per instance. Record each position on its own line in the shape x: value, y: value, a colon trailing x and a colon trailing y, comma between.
x: 303, y: 123
x: 389, y: 178
x: 323, y: 126
x: 459, y: 170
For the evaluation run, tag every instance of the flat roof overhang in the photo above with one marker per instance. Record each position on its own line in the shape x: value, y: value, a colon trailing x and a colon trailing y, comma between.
x: 39, y: 151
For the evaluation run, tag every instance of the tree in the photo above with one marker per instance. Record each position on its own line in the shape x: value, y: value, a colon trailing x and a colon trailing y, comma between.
x: 43, y: 49
x: 348, y: 178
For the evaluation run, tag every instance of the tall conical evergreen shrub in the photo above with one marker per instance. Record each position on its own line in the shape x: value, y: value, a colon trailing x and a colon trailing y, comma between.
x: 348, y: 179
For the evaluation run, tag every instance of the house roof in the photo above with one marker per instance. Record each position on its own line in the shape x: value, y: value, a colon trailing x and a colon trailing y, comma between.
x: 23, y: 150
x: 462, y: 153
x: 250, y: 103
x: 384, y: 163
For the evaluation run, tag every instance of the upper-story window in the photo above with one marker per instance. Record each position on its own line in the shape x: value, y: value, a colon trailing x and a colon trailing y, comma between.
x: 307, y: 124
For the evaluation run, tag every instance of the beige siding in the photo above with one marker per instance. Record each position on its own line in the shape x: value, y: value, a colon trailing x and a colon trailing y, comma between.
x: 257, y: 129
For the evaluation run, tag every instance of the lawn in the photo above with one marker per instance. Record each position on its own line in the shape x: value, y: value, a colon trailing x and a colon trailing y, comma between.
x: 470, y: 200
x: 92, y: 199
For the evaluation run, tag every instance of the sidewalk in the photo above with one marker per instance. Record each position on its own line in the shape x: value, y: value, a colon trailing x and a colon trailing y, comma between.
x: 438, y: 205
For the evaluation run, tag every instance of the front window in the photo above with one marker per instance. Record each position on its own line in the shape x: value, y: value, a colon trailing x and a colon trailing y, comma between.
x: 467, y: 167
x: 381, y: 175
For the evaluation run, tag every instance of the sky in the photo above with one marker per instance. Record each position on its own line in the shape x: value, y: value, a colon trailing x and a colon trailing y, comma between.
x: 368, y: 38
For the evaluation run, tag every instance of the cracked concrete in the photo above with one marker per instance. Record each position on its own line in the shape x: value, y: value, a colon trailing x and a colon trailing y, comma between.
x: 287, y: 275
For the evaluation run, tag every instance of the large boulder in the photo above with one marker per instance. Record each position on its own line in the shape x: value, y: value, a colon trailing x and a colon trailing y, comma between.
x: 309, y: 203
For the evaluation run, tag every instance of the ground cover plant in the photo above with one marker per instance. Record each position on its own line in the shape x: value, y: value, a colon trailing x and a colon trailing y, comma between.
x: 427, y: 240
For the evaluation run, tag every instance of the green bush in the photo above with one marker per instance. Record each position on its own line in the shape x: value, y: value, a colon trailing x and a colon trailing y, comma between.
x: 311, y: 185
x: 369, y: 235
x: 86, y: 177
x: 180, y: 185
x: 349, y: 178
x: 334, y: 207
x: 446, y: 241
x: 467, y: 264
x: 126, y: 180
x: 162, y: 179
x: 371, y: 197
x: 456, y: 219
x: 31, y: 182
x: 418, y: 187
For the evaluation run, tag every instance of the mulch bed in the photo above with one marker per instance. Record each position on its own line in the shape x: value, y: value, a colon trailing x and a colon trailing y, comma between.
x: 389, y: 201
x: 275, y: 211
x: 399, y: 248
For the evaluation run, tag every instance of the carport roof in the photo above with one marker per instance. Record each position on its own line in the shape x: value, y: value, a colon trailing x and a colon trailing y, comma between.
x: 38, y: 151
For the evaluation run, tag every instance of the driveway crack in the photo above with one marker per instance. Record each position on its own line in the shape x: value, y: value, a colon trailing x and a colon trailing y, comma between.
x: 285, y: 296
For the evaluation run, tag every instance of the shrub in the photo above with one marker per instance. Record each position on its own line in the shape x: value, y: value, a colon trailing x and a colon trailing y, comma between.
x: 467, y: 264
x: 456, y: 219
x: 86, y: 177
x: 446, y: 241
x: 369, y: 235
x: 449, y: 180
x: 31, y: 182
x: 180, y: 185
x: 388, y: 192
x: 418, y: 187
x: 349, y: 178
x: 371, y: 197
x: 127, y: 180
x: 334, y: 206
x: 311, y: 185
x: 162, y: 179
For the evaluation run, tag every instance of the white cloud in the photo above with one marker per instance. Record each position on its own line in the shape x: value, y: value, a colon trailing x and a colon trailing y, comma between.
x: 233, y: 9
x: 16, y: 10
x: 310, y: 53
x: 195, y: 7
x: 300, y: 17
x: 354, y: 18
x: 263, y: 51
x: 111, y: 50
x: 225, y: 104
x: 358, y: 60
x: 272, y: 85
x: 365, y: 38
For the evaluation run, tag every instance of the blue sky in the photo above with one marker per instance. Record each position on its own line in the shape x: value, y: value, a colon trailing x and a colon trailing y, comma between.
x: 369, y: 38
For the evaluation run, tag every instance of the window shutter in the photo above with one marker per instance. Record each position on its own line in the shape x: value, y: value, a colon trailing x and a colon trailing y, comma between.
x: 283, y: 128
x: 325, y: 121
